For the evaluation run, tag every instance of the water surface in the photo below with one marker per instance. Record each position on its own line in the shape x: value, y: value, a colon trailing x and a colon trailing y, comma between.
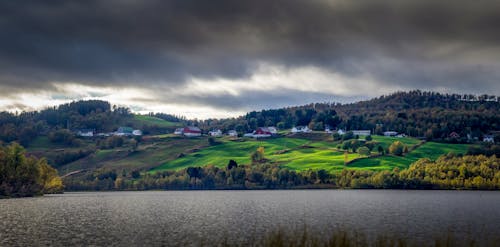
x: 192, y: 217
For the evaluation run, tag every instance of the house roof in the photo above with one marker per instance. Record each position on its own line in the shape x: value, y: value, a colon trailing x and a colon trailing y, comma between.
x: 192, y: 129
x: 85, y: 130
x: 125, y: 130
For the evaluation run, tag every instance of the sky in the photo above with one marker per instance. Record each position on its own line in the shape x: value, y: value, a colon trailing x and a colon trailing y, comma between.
x: 222, y: 58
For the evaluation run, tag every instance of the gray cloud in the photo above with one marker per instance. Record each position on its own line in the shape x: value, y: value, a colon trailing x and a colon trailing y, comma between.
x: 248, y: 100
x: 451, y: 44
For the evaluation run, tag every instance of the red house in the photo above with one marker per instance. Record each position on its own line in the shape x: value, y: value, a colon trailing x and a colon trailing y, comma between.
x: 192, y: 131
x: 454, y: 135
x: 263, y: 131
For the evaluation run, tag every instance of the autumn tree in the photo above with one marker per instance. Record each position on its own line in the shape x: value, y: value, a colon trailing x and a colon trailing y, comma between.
x: 364, y: 151
x: 396, y: 148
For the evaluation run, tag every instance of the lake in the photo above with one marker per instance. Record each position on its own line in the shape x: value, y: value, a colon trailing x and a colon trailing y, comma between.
x: 171, y: 218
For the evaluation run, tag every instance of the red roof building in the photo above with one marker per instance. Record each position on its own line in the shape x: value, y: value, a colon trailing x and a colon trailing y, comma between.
x: 263, y: 131
x: 192, y: 131
x: 454, y: 135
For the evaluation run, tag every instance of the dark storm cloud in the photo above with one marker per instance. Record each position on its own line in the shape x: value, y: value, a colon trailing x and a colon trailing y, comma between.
x: 412, y: 44
x: 248, y: 100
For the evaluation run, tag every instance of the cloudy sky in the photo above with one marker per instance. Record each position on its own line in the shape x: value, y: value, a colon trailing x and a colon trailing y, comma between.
x: 221, y: 58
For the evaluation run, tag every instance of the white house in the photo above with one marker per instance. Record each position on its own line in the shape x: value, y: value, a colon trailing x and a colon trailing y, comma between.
x: 249, y: 134
x: 137, y: 132
x: 390, y: 133
x: 179, y: 131
x: 215, y: 132
x: 340, y: 132
x: 85, y: 132
x: 273, y: 130
x: 488, y: 138
x: 328, y: 130
x: 232, y: 133
x: 124, y: 131
x: 300, y: 129
x: 362, y: 132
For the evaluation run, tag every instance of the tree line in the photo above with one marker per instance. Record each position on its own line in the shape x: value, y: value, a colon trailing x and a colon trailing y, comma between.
x: 429, y: 115
x: 22, y: 175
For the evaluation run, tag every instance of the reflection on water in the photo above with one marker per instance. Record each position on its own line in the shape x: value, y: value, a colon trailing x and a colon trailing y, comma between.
x: 194, y: 217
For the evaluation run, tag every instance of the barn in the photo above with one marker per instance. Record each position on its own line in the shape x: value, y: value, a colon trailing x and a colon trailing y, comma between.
x: 191, y: 131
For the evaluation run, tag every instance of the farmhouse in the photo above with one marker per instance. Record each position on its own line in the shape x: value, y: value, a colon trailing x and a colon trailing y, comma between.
x: 191, y: 131
x: 300, y: 129
x: 179, y: 131
x: 390, y: 133
x: 124, y: 131
x: 273, y: 130
x: 215, y: 132
x: 249, y: 134
x: 232, y: 133
x: 85, y: 132
x: 328, y: 130
x: 261, y: 132
x: 362, y: 132
x: 488, y: 138
x: 340, y: 132
x: 137, y: 132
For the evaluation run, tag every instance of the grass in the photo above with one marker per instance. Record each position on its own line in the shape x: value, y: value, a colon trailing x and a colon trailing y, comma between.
x: 302, y: 154
x: 343, y: 237
x: 431, y: 150
x: 148, y: 120
x: 148, y: 155
x: 219, y: 155
x: 385, y: 141
x: 43, y: 143
x: 305, y: 159
x: 169, y: 152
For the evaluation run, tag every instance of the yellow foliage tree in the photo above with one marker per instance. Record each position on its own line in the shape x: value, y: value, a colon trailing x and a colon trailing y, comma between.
x: 49, y: 178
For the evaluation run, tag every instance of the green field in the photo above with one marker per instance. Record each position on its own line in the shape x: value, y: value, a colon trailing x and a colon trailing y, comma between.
x: 148, y: 120
x: 431, y: 150
x: 170, y: 152
x: 302, y: 154
x: 385, y: 142
x: 239, y: 151
x: 148, y: 155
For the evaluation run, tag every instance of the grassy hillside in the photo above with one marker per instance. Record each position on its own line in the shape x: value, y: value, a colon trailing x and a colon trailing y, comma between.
x: 431, y: 150
x: 148, y: 120
x: 149, y: 154
x: 303, y: 154
x: 385, y: 141
x: 219, y: 155
x: 297, y: 152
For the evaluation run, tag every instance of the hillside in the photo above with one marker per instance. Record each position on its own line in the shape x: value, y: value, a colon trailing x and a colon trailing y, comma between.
x: 302, y: 154
x: 419, y: 114
x: 426, y: 118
